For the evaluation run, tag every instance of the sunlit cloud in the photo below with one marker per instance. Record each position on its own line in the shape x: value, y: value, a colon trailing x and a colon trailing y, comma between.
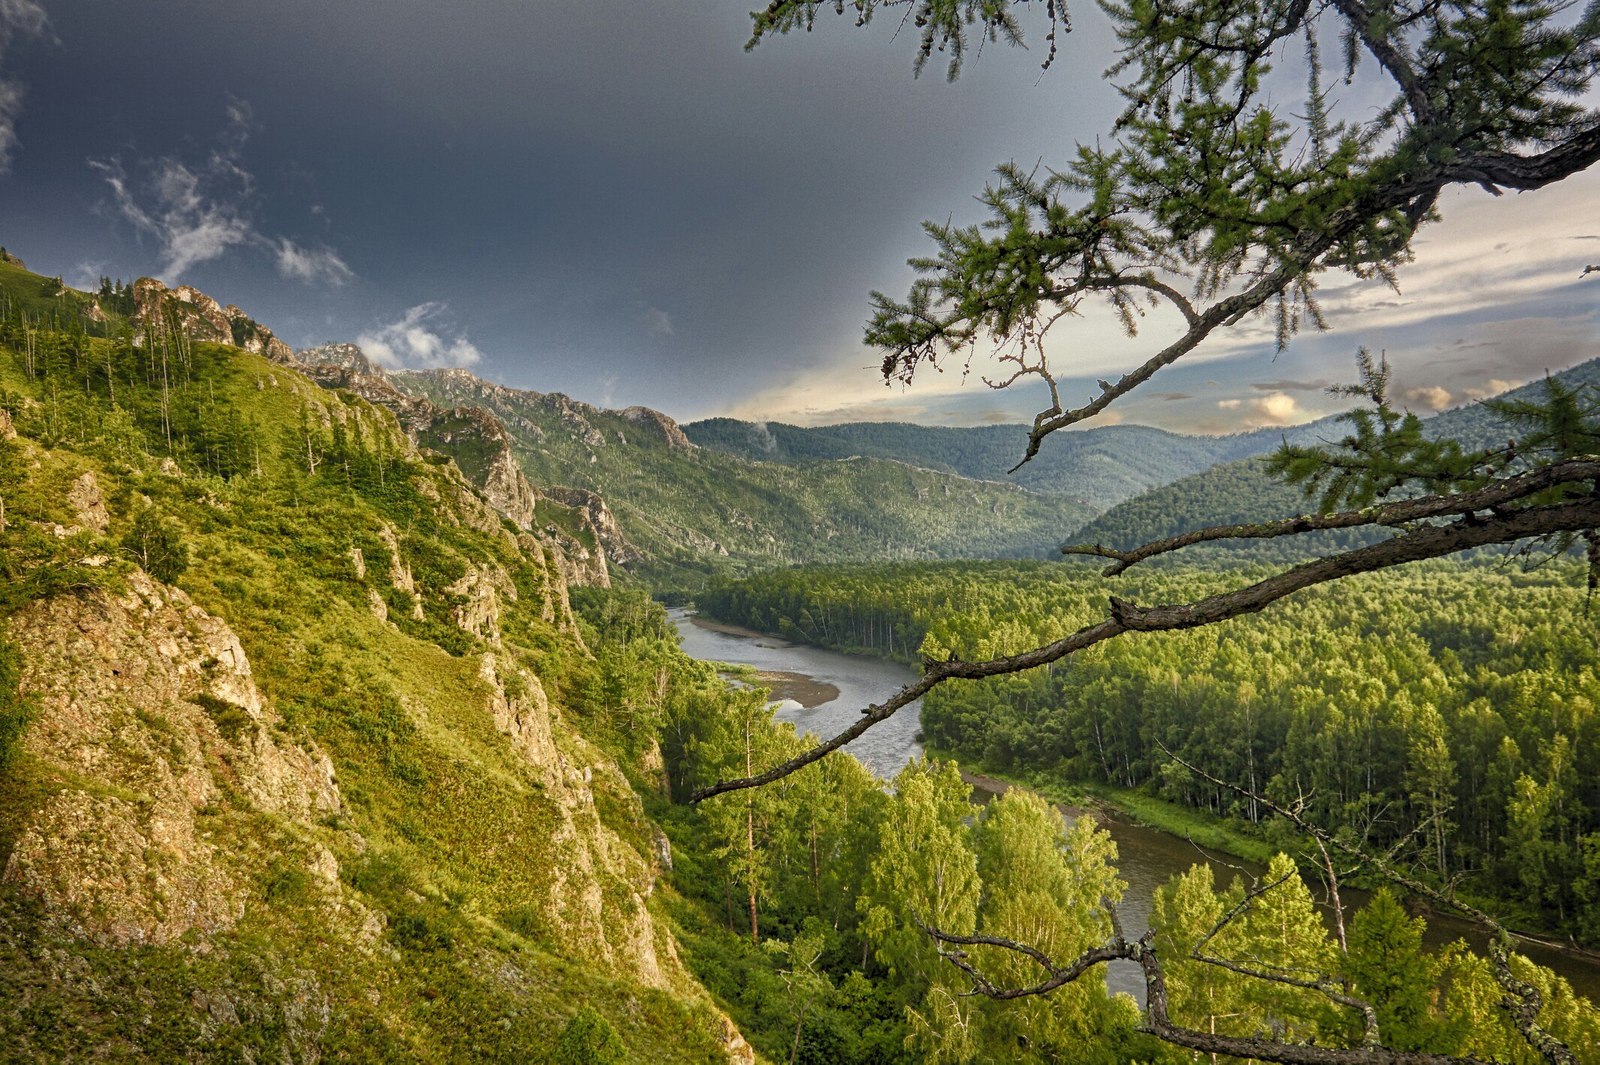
x: 1489, y: 389
x: 419, y: 340
x: 1280, y: 408
x: 1432, y: 397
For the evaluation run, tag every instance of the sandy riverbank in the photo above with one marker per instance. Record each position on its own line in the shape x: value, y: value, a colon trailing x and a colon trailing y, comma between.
x: 995, y: 787
x: 804, y: 690
x: 738, y: 630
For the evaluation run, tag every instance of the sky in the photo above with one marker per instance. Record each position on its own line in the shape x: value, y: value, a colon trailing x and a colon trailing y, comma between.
x: 618, y: 201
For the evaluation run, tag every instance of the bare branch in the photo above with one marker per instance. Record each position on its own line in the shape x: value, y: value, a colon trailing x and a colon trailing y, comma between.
x: 1521, y: 999
x: 1158, y: 1023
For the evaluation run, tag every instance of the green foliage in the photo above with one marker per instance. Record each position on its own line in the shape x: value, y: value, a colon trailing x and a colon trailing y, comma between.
x: 1386, y: 452
x: 287, y: 884
x: 1440, y: 708
x: 1387, y: 965
x: 231, y: 719
x: 945, y: 25
x: 156, y: 545
x: 589, y: 1039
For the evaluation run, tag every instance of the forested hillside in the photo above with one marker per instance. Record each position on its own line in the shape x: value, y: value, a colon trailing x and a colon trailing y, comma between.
x: 1244, y: 491
x: 295, y: 757
x: 693, y: 511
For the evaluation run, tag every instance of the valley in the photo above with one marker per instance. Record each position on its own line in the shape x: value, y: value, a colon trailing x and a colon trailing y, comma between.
x: 339, y: 700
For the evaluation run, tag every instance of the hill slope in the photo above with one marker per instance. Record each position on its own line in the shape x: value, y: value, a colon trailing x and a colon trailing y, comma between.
x: 691, y: 509
x: 295, y: 758
x: 1098, y: 467
x: 1243, y: 491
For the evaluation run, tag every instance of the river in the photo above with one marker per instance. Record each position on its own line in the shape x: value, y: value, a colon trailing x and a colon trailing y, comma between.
x: 824, y: 691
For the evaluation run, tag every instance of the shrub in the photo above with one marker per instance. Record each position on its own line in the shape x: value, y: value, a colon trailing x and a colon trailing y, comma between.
x: 155, y: 544
x: 589, y: 1039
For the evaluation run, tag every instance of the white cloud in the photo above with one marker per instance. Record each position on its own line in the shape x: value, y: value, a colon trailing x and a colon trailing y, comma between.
x: 87, y: 274
x: 657, y: 322
x: 319, y: 263
x: 417, y: 342
x: 18, y: 18
x: 1280, y: 408
x: 1431, y: 396
x: 199, y: 211
x: 184, y: 209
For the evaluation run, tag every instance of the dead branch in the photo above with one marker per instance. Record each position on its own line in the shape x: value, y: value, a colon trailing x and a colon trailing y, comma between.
x: 1157, y: 1022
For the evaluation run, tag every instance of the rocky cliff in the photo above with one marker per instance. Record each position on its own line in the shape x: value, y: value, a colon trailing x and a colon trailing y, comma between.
x: 187, y: 312
x: 146, y: 704
x: 481, y: 447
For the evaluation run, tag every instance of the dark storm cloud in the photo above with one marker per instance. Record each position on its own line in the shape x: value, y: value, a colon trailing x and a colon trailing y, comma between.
x: 595, y: 189
x: 18, y: 18
x: 609, y: 199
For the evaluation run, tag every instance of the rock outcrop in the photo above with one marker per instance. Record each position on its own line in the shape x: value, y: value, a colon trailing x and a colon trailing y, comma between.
x: 596, y: 888
x: 88, y: 505
x: 339, y: 356
x: 599, y: 520
x: 473, y: 437
x: 659, y: 426
x: 481, y: 446
x: 160, y: 311
x: 147, y: 710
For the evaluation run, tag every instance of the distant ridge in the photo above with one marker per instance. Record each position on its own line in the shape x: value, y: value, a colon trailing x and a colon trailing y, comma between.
x: 1097, y: 467
x: 1242, y: 491
x: 693, y: 509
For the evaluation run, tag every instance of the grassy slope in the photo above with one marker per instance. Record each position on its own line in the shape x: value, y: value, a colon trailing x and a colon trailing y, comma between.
x: 445, y: 830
